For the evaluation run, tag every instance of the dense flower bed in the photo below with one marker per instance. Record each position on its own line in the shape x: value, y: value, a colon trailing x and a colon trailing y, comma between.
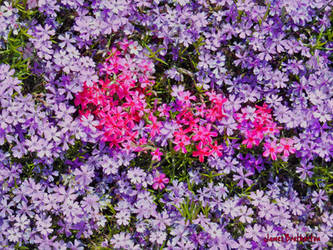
x: 166, y: 124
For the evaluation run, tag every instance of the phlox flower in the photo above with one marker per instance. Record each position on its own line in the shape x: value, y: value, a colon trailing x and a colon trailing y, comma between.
x: 319, y: 197
x: 305, y: 170
x: 159, y: 181
x: 242, y: 244
x: 158, y: 237
x: 186, y: 97
x: 156, y: 155
x: 84, y: 175
x: 164, y: 110
x: 216, y: 112
x: 216, y: 149
x: 272, y: 128
x: 287, y: 146
x: 121, y: 240
x: 13, y: 234
x: 263, y: 110
x: 201, y: 152
x: 201, y: 110
x: 134, y: 47
x: 136, y: 175
x: 204, y: 134
x: 155, y: 126
x: 242, y: 177
x: 161, y: 220
x: 252, y: 138
x: 181, y: 140
x: 142, y: 141
x: 181, y: 144
x: 21, y: 222
x: 246, y: 213
x: 176, y: 90
x: 271, y: 149
x: 123, y: 217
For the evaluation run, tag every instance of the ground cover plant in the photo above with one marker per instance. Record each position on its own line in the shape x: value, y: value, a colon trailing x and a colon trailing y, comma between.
x: 172, y: 124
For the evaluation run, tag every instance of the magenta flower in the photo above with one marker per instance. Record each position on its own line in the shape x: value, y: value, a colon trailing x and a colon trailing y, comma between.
x: 156, y: 155
x: 287, y: 146
x: 271, y: 149
x: 160, y: 181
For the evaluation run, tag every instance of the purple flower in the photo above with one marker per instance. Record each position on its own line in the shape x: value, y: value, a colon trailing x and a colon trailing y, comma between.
x: 305, y: 170
x: 84, y: 175
x: 157, y: 237
x: 90, y: 203
x: 44, y: 224
x: 123, y: 217
x: 161, y: 221
x: 5, y: 207
x: 14, y: 235
x: 121, y: 240
x: 253, y: 232
x: 245, y: 214
x: 242, y: 177
x: 319, y: 197
x: 136, y: 175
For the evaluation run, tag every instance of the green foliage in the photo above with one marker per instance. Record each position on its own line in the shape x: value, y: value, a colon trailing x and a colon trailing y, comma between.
x: 322, y: 177
x: 190, y: 209
x: 13, y: 53
x: 15, y: 42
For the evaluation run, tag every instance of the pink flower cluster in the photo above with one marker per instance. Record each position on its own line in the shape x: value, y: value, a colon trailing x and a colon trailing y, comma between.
x: 256, y: 124
x: 196, y: 123
x: 117, y: 102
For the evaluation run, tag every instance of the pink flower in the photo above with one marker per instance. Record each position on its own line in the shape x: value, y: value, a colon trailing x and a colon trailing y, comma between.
x: 160, y: 181
x: 216, y: 149
x: 155, y: 126
x: 204, y: 134
x: 201, y: 152
x: 272, y: 128
x: 271, y: 149
x: 186, y: 97
x: 252, y: 138
x: 287, y: 146
x: 156, y: 155
x: 182, y: 143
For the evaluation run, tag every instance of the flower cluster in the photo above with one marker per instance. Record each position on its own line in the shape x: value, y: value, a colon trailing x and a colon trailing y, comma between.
x: 257, y: 124
x: 116, y: 103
